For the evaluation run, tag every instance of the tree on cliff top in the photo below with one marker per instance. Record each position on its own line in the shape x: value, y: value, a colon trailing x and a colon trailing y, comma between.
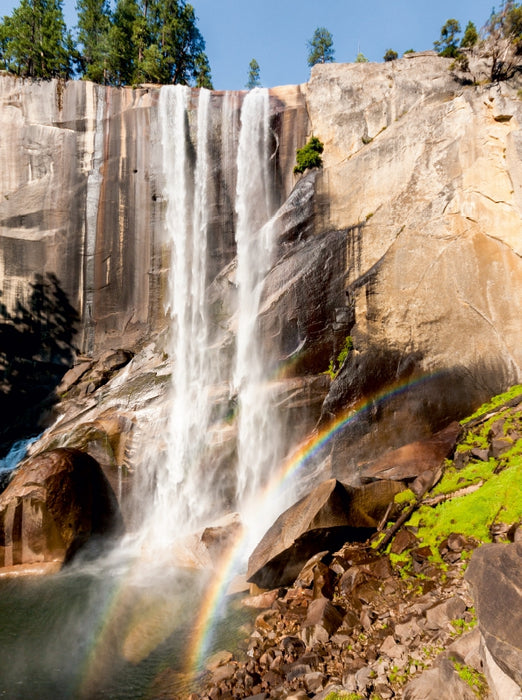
x: 156, y: 41
x: 320, y: 47
x: 254, y: 79
x: 448, y: 42
x: 502, y: 44
x: 93, y: 35
x: 34, y: 40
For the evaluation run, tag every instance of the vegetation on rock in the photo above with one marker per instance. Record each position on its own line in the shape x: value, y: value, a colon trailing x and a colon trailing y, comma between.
x: 254, y: 79
x: 335, y: 366
x: 309, y: 156
x: 448, y: 42
x: 390, y: 55
x: 320, y: 47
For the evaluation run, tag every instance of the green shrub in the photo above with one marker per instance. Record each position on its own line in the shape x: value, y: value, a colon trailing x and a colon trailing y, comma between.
x: 334, y: 367
x: 309, y: 156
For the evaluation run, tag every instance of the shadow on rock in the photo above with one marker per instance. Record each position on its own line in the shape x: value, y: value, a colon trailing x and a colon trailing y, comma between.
x: 36, y: 349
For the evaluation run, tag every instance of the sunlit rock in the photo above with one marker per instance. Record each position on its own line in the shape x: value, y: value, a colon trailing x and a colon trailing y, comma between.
x: 57, y: 504
x: 324, y: 519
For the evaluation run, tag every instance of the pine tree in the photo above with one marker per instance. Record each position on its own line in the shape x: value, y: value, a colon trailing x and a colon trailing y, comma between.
x: 122, y: 54
x: 470, y: 37
x: 93, y: 36
x: 320, y: 47
x: 447, y: 44
x: 390, y: 55
x: 254, y: 79
x: 35, y: 42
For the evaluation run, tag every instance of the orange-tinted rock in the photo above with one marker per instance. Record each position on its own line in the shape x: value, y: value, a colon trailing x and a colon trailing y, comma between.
x: 324, y: 519
x: 410, y: 461
x: 55, y: 504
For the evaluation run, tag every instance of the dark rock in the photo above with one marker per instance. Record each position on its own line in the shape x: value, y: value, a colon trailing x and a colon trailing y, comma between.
x: 330, y: 515
x: 495, y: 574
x: 56, y: 504
x: 403, y: 540
x: 481, y: 454
x: 410, y: 461
x: 440, y: 616
x: 322, y: 621
x: 498, y: 446
x: 306, y: 575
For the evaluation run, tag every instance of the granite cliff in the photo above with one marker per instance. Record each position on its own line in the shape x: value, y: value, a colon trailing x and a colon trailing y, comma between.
x: 408, y: 241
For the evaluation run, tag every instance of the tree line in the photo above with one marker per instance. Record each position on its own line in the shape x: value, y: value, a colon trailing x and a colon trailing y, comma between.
x: 139, y: 41
x: 158, y: 41
x: 499, y: 43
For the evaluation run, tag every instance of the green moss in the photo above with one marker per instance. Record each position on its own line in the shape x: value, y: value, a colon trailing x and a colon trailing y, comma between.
x: 495, y: 402
x: 343, y: 696
x: 499, y: 499
x: 455, y: 479
x: 407, y: 496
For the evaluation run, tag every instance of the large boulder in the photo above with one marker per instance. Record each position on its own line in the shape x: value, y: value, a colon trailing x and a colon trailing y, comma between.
x: 323, y: 520
x: 410, y: 461
x: 57, y: 503
x: 495, y: 574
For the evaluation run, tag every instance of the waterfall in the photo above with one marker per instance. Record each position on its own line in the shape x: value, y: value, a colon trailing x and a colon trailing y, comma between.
x: 187, y: 481
x: 179, y: 506
x: 257, y: 428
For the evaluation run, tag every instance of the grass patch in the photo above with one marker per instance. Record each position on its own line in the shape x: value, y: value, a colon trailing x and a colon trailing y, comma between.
x: 499, y: 499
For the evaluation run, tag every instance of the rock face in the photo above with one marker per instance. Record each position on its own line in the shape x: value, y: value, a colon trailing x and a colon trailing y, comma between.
x: 407, y: 241
x: 495, y: 574
x: 330, y: 515
x: 55, y: 505
x: 419, y: 460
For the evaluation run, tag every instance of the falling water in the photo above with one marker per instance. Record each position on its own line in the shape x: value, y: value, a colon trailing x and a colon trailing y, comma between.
x: 257, y: 428
x: 187, y: 481
x: 179, y: 506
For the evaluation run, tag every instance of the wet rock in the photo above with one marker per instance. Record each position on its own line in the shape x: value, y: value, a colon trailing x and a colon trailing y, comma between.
x: 495, y: 574
x: 329, y: 516
x: 57, y: 504
x: 220, y: 658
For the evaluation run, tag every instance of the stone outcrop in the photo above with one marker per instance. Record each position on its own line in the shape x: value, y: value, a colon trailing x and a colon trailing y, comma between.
x: 56, y: 505
x: 419, y: 463
x: 330, y: 515
x: 495, y: 574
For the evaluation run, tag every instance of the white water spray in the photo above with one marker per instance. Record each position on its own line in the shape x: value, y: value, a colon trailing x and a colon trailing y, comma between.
x: 186, y: 482
x: 258, y: 442
x: 179, y: 506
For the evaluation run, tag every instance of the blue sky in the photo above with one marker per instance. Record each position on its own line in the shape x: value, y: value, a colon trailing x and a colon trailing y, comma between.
x: 275, y: 32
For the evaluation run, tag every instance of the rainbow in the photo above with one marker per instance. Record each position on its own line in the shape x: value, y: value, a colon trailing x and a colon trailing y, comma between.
x: 214, y: 599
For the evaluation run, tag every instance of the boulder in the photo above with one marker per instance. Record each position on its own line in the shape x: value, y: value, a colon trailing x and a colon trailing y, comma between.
x: 410, y: 461
x: 322, y: 621
x: 323, y: 520
x: 495, y: 575
x: 56, y: 504
x: 436, y: 683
